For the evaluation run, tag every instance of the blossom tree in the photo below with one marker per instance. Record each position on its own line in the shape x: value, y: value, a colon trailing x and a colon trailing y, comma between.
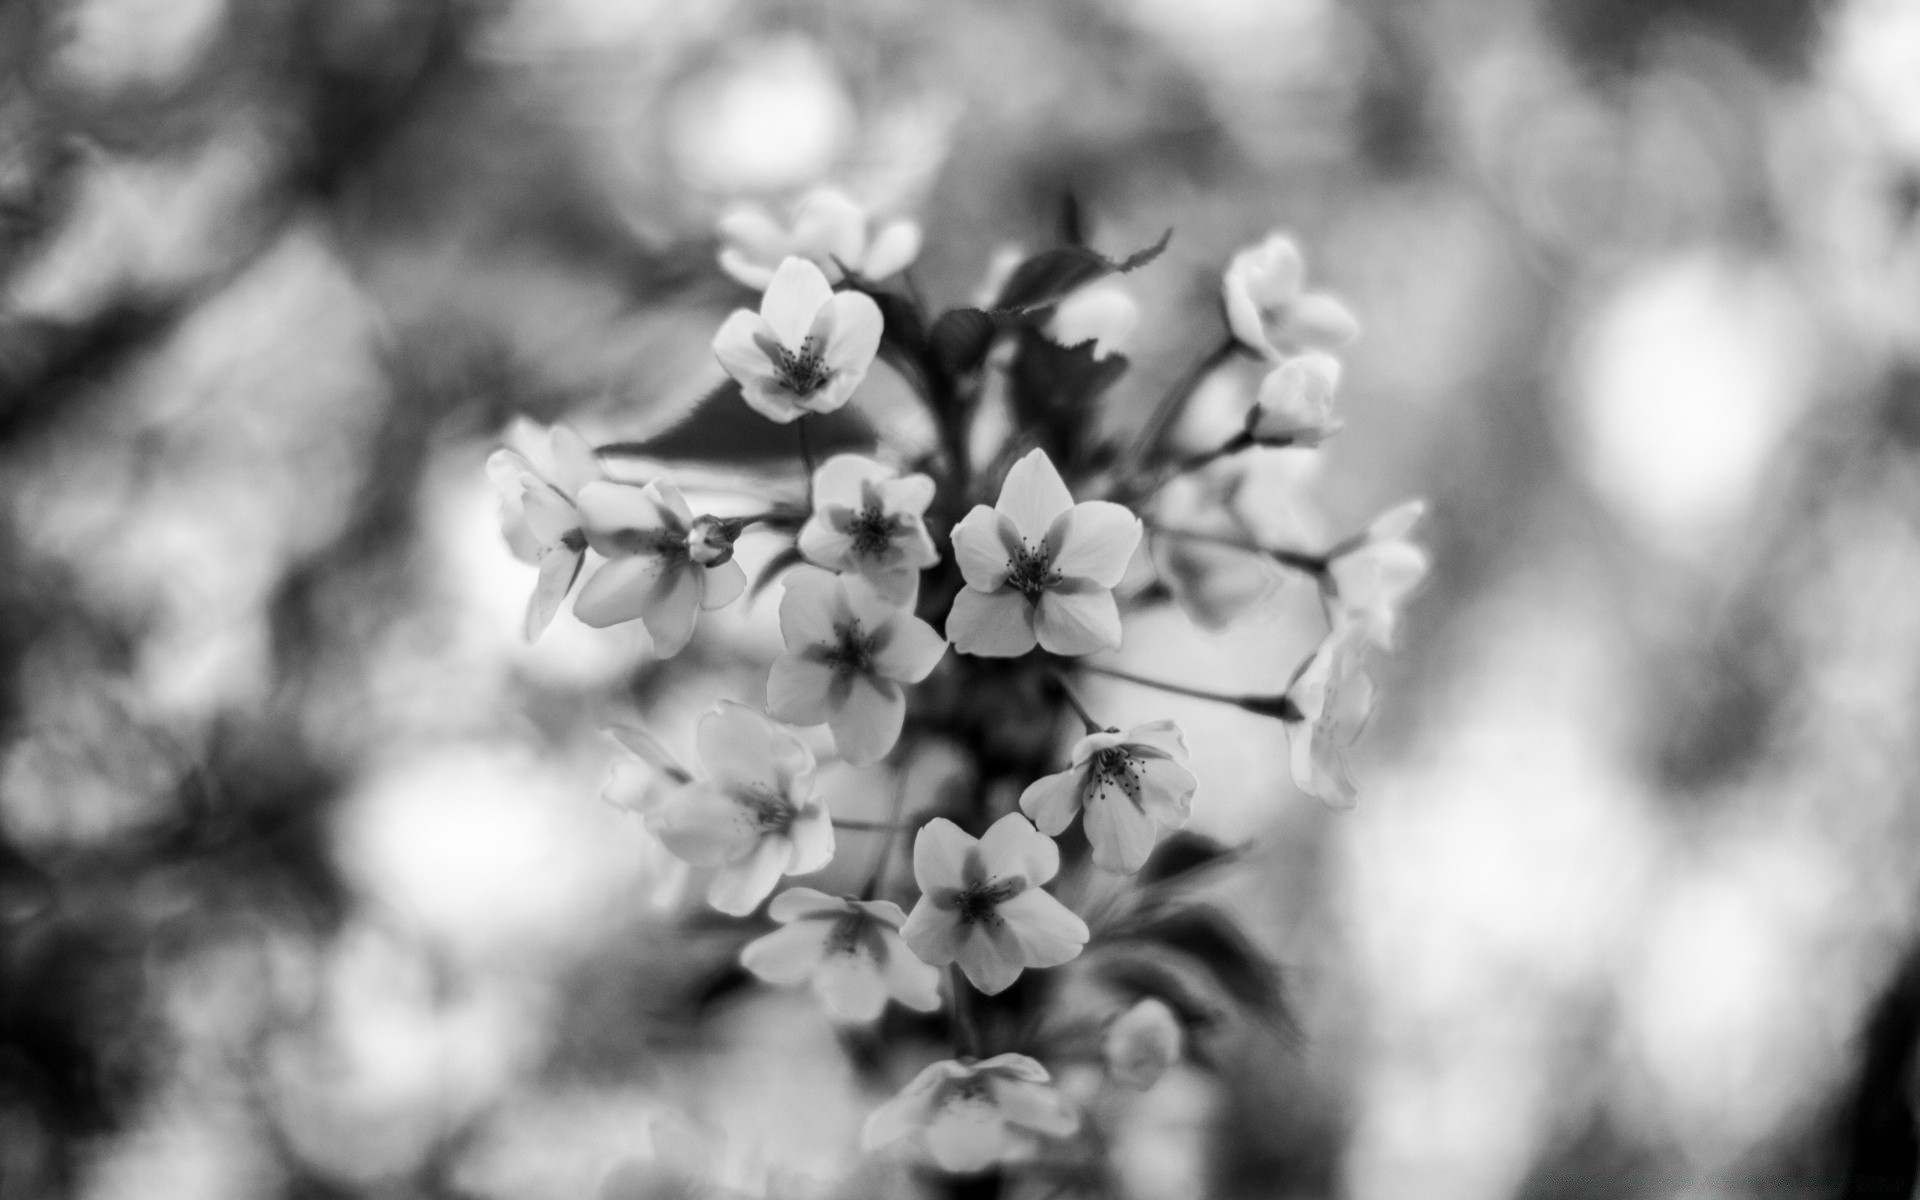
x: 957, y: 596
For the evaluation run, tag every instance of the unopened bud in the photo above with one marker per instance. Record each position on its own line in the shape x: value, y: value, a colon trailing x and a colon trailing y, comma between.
x: 710, y: 541
x: 1142, y: 1044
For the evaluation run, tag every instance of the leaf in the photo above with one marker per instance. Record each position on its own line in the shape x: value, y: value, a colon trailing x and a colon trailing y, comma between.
x: 1210, y: 936
x: 1183, y: 853
x: 778, y: 564
x: 722, y: 429
x: 961, y: 339
x: 1052, y: 390
x: 1051, y: 274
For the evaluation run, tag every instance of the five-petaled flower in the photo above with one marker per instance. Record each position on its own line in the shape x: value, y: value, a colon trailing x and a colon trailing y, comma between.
x: 1142, y: 1043
x: 847, y: 654
x: 1128, y: 785
x: 754, y: 815
x: 829, y: 230
x: 1295, y: 404
x: 867, y: 520
x: 1040, y: 568
x: 664, y: 564
x: 1268, y: 309
x: 1334, y: 698
x: 971, y: 1115
x: 539, y: 482
x: 805, y: 350
x: 1371, y: 573
x: 851, y: 949
x: 981, y: 903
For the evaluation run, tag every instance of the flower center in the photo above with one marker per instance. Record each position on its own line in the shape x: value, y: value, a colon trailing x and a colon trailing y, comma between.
x: 804, y: 372
x: 980, y: 904
x: 709, y: 543
x: 872, y: 531
x: 1122, y: 770
x: 853, y: 654
x: 851, y: 932
x: 1032, y: 572
x: 772, y: 813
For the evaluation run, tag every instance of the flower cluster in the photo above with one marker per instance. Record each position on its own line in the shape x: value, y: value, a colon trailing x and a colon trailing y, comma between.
x: 1014, y: 550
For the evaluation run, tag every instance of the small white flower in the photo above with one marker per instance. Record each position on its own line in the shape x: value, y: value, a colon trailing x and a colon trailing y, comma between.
x: 981, y: 904
x: 664, y: 564
x: 848, y: 653
x: 640, y: 787
x: 1334, y: 698
x: 1214, y: 584
x: 1128, y: 785
x: 1142, y: 1043
x: 753, y: 815
x: 805, y: 350
x: 539, y: 478
x: 1268, y: 308
x: 1102, y: 313
x: 827, y: 226
x: 1295, y: 404
x: 868, y: 521
x: 970, y: 1116
x: 851, y: 949
x: 1370, y: 575
x: 1040, y: 568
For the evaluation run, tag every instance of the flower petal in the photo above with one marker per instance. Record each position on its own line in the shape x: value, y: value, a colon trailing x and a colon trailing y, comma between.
x: 990, y: 964
x: 737, y: 345
x: 739, y: 887
x: 812, y: 838
x: 894, y: 248
x: 700, y: 824
x: 855, y: 339
x: 794, y: 298
x: 1033, y: 495
x: 967, y: 1137
x: 997, y: 624
x: 839, y: 480
x: 823, y: 544
x: 1048, y: 931
x: 1078, y: 621
x: 559, y: 566
x: 910, y: 1110
x: 1166, y: 791
x: 932, y: 933
x: 1122, y: 835
x: 828, y: 225
x: 753, y: 230
x: 909, y: 649
x: 910, y: 981
x: 813, y: 603
x: 800, y: 691
x: 1319, y: 319
x: 575, y: 465
x: 788, y: 954
x: 867, y: 723
x: 1052, y: 800
x: 1034, y: 1106
x: 741, y: 749
x: 979, y: 549
x: 723, y: 584
x: 745, y: 269
x: 1099, y: 542
x: 850, y: 985
x: 609, y: 509
x: 1013, y: 847
x: 940, y: 857
x: 798, y: 902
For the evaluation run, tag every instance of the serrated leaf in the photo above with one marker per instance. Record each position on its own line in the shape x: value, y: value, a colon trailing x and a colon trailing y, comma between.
x: 722, y: 429
x: 1049, y: 275
x: 961, y: 339
x: 1052, y: 390
x: 1210, y: 936
x: 1181, y: 854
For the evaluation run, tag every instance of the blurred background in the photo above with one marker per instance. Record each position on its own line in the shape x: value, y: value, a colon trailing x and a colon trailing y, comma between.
x: 305, y: 886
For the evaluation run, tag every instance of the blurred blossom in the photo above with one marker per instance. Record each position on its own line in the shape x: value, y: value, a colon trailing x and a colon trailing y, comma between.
x: 849, y: 949
x: 772, y: 115
x: 1103, y: 314
x: 827, y: 229
x: 1142, y: 1043
x: 970, y: 1116
x: 115, y: 44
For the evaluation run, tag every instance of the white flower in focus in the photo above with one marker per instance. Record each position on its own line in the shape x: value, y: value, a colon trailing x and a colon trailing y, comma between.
x: 1268, y: 308
x: 640, y: 786
x: 1295, y: 404
x: 1142, y: 1043
x: 539, y: 480
x: 1128, y: 785
x: 805, y: 350
x: 753, y: 815
x: 1102, y: 313
x: 827, y: 226
x: 1214, y: 584
x: 848, y: 654
x: 1370, y: 575
x: 850, y: 948
x: 664, y: 564
x: 981, y: 904
x: 969, y: 1116
x: 1334, y: 698
x: 1040, y: 568
x: 867, y: 521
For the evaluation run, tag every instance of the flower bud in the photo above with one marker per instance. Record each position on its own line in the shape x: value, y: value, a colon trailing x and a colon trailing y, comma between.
x: 710, y: 541
x: 1142, y: 1044
x: 1295, y: 406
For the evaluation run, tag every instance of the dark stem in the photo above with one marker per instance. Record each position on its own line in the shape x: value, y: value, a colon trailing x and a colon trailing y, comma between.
x: 806, y: 458
x: 1174, y: 402
x: 865, y: 826
x: 885, y: 856
x: 966, y: 1032
x: 1280, y: 707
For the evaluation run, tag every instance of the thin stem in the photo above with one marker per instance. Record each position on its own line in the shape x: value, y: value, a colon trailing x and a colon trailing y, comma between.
x: 1191, y: 463
x: 866, y: 826
x: 885, y: 855
x: 1174, y: 402
x: 1279, y: 706
x: 966, y: 1032
x: 1308, y: 564
x: 1079, y: 709
x: 806, y: 458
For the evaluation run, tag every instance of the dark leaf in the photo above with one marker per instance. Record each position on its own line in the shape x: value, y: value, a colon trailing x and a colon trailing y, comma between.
x: 722, y: 429
x: 961, y: 339
x: 1053, y: 388
x: 1051, y: 274
x: 779, y: 563
x: 1211, y: 937
x: 1182, y: 853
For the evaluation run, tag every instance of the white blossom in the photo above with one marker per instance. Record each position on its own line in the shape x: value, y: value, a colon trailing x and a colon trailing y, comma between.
x: 850, y: 949
x: 1270, y: 311
x: 848, y: 655
x: 981, y: 903
x: 1214, y: 584
x: 753, y: 814
x: 1334, y: 697
x: 828, y: 229
x: 1372, y: 574
x: 868, y: 520
x: 969, y: 1116
x: 1102, y: 313
x: 539, y: 478
x: 1295, y: 403
x: 1129, y: 786
x: 1142, y: 1043
x: 663, y: 564
x: 1040, y: 569
x: 807, y: 348
x: 639, y: 785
